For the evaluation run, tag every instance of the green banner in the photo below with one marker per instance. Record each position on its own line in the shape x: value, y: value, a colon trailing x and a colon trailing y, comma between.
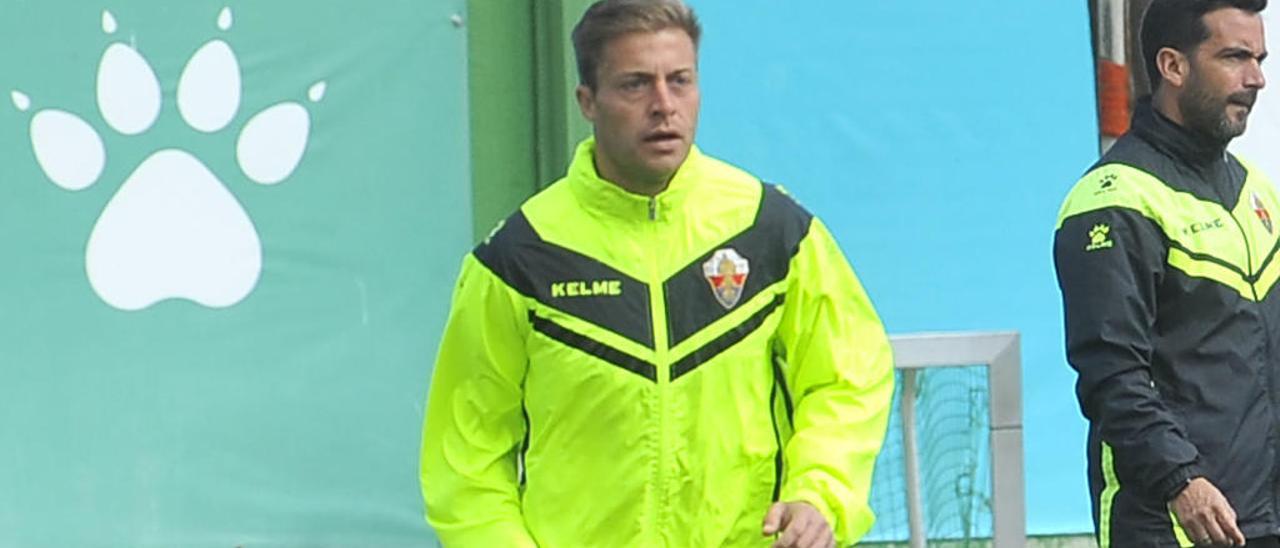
x: 228, y: 234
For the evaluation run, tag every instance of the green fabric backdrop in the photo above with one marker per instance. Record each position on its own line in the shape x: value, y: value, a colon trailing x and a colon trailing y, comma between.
x: 290, y: 416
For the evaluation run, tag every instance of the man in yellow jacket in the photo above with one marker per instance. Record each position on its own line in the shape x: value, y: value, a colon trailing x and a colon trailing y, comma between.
x: 658, y: 349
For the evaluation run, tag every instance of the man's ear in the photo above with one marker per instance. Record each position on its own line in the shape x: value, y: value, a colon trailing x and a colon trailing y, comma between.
x: 586, y: 101
x: 1174, y: 67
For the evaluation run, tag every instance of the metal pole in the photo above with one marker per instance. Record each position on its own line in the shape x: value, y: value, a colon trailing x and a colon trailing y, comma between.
x: 915, y: 510
x: 1004, y: 374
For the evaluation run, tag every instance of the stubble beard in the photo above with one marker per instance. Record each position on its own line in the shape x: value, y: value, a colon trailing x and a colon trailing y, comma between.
x: 1206, y: 115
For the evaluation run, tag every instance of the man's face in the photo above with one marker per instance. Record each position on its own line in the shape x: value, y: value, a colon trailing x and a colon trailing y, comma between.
x: 1225, y: 75
x: 644, y: 107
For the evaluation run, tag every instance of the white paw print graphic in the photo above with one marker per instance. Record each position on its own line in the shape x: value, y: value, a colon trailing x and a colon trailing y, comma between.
x: 173, y: 230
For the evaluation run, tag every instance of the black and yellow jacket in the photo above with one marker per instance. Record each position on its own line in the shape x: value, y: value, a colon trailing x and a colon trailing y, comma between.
x: 620, y: 370
x: 1166, y: 257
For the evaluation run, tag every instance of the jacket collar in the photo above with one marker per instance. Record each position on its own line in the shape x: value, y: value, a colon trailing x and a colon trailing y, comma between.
x: 605, y: 197
x: 1174, y: 140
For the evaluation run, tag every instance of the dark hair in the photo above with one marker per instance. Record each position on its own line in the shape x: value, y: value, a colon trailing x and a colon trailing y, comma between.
x: 1179, y: 24
x: 609, y: 19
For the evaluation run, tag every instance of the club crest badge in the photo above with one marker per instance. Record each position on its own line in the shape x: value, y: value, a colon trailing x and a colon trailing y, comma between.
x: 726, y: 271
x: 1261, y: 211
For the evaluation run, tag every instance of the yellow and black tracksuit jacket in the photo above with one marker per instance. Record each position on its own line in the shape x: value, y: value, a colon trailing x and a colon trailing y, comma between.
x: 620, y: 370
x: 1166, y: 257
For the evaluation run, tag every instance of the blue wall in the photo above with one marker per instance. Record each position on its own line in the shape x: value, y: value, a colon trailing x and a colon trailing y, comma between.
x: 936, y: 139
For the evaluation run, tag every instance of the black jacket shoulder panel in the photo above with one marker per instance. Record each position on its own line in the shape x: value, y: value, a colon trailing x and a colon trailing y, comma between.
x: 566, y: 280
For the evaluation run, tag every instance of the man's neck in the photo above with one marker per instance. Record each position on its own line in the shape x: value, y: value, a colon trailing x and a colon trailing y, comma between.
x: 1158, y: 129
x: 1167, y: 104
x: 643, y: 188
x: 650, y: 190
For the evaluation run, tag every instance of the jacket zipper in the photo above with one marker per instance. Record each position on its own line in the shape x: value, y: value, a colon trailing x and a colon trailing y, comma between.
x: 656, y: 313
x: 1266, y: 339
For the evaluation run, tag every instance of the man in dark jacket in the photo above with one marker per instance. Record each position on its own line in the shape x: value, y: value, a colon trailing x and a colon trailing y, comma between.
x: 1166, y: 257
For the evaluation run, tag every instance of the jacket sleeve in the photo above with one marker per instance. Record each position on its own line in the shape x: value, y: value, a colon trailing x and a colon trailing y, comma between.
x: 475, y: 422
x: 1110, y: 262
x: 839, y: 369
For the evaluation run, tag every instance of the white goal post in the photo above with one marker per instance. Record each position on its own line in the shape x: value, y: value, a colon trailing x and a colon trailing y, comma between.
x: 1000, y: 353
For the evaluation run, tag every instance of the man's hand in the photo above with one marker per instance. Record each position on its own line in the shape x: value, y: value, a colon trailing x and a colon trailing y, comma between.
x: 1206, y: 515
x: 800, y: 524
